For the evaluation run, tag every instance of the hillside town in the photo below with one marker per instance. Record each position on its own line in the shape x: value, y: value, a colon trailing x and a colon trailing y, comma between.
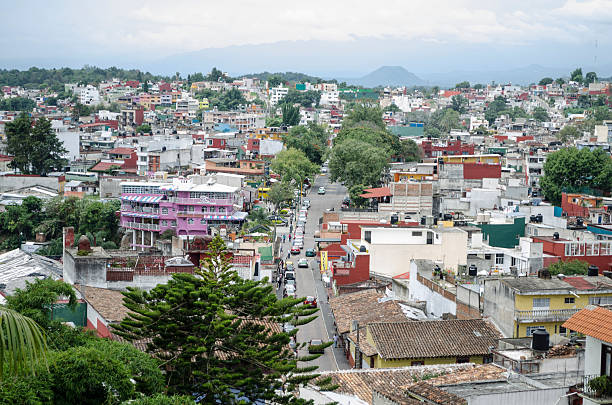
x: 282, y: 238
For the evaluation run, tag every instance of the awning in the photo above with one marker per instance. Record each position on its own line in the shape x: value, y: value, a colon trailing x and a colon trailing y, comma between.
x: 237, y: 216
x: 142, y: 198
x: 139, y: 215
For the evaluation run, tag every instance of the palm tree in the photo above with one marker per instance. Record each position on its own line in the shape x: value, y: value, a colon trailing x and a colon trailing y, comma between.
x: 22, y: 343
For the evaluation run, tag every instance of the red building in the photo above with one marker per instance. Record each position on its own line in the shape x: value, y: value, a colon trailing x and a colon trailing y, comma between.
x: 579, y: 205
x: 597, y: 253
x: 452, y: 147
x: 481, y: 171
x: 355, y: 271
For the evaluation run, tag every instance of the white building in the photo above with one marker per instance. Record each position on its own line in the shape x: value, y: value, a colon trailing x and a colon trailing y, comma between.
x: 88, y: 95
x: 277, y: 94
x: 70, y: 139
x: 329, y: 98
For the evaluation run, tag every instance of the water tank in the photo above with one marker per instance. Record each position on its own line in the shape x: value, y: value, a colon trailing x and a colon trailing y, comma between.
x: 394, y: 219
x: 539, y: 218
x: 472, y: 270
x: 363, y: 248
x: 593, y: 270
x: 579, y: 221
x: 540, y: 340
x: 556, y: 235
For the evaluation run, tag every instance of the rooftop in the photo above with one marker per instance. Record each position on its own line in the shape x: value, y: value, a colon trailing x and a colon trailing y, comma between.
x: 526, y: 285
x: 592, y: 321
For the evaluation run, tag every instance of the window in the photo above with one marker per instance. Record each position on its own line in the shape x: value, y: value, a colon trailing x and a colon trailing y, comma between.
x: 417, y: 233
x: 487, y: 358
x: 570, y: 300
x: 164, y: 211
x: 541, y: 303
x: 606, y: 360
x: 488, y: 256
x: 204, y: 209
x: 367, y: 235
x: 164, y: 222
x: 604, y: 248
x: 562, y: 330
x: 499, y: 258
x: 531, y: 329
x: 202, y: 221
x: 513, y: 261
x: 463, y: 359
x: 600, y: 300
x: 222, y: 209
x: 174, y: 222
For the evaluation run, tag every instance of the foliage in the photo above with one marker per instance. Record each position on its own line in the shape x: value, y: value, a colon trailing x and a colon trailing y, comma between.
x: 355, y: 161
x: 361, y: 114
x: 80, y: 110
x: 291, y: 115
x: 160, y: 399
x: 54, y: 248
x: 569, y: 267
x: 545, y: 81
x: 143, y: 129
x: 26, y: 390
x: 225, y: 100
x: 167, y: 234
x: 355, y: 192
x: 17, y: 104
x: 590, y: 77
x: 392, y: 108
x: 36, y: 150
x: 602, y: 386
x: 568, y: 133
x: 275, y: 79
x: 307, y: 99
x: 311, y: 139
x: 56, y: 78
x: 443, y: 121
x: 22, y: 344
x: 274, y: 121
x: 293, y: 166
x: 458, y: 103
x: 540, y: 114
x: 279, y: 193
x: 478, y: 86
x: 462, y: 85
x: 576, y: 75
x: 19, y: 221
x: 36, y: 298
x: 571, y: 168
x: 409, y: 151
x: 213, y: 331
x: 494, y: 109
x: 215, y: 75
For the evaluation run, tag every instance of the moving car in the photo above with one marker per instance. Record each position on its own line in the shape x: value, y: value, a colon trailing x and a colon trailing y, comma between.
x: 289, y: 265
x: 290, y: 282
x: 290, y: 291
x: 306, y: 203
x: 310, y: 253
x: 303, y: 263
x: 315, y: 346
x: 310, y: 301
x: 289, y: 275
x: 295, y: 250
x: 324, y: 169
x: 321, y: 190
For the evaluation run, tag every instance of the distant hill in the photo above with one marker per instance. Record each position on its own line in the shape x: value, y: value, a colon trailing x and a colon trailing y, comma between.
x: 387, y: 76
x: 286, y: 76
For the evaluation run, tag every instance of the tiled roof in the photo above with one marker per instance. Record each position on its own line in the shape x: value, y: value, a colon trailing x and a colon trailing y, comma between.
x: 592, y: 321
x: 364, y: 307
x: 108, y: 303
x: 427, y: 391
x: 104, y: 166
x: 376, y: 192
x: 426, y: 339
x: 121, y: 151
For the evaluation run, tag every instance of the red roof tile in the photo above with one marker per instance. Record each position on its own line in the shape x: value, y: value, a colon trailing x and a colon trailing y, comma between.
x: 579, y: 282
x: 121, y: 151
x: 592, y: 321
x: 376, y: 192
x: 104, y: 166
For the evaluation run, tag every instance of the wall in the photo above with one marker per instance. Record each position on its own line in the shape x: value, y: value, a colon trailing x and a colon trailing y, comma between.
x: 504, y: 235
x: 592, y: 356
x: 481, y: 171
x: 468, y: 303
x: 71, y: 141
x: 439, y: 301
x: 382, y: 363
x: 11, y: 182
x: 481, y: 198
x: 499, y: 305
x: 551, y: 396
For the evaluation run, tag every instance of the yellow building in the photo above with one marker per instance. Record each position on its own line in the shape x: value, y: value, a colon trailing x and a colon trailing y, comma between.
x: 414, y: 343
x: 518, y: 306
x: 489, y: 159
x: 204, y: 104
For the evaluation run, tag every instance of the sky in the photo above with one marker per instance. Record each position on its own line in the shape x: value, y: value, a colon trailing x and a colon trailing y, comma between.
x: 317, y: 36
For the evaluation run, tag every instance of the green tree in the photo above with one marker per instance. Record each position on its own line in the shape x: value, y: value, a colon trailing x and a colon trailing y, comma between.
x: 310, y: 139
x: 444, y: 120
x: 306, y: 99
x: 361, y: 114
x: 279, y: 194
x: 590, y: 77
x: 275, y: 81
x: 392, y: 108
x: 569, y: 267
x: 291, y: 115
x: 545, y: 81
x: 570, y: 168
x: 540, y: 114
x: 274, y: 121
x: 494, y: 109
x: 36, y: 150
x: 560, y: 81
x: 17, y: 104
x: 458, y: 104
x: 568, y: 133
x: 293, y: 166
x: 145, y: 87
x: 576, y: 75
x: 410, y: 151
x: 462, y: 85
x: 143, y: 129
x: 478, y: 86
x: 355, y: 195
x: 215, y: 333
x: 357, y: 162
x: 160, y: 399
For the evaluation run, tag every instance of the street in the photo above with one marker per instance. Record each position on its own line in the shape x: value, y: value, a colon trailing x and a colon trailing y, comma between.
x: 309, y: 280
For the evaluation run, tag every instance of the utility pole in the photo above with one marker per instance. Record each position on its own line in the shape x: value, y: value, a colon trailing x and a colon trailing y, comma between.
x: 357, y: 349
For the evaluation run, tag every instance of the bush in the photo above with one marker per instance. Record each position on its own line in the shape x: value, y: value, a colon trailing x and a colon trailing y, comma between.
x: 161, y: 399
x: 602, y: 386
x: 167, y: 234
x: 569, y: 267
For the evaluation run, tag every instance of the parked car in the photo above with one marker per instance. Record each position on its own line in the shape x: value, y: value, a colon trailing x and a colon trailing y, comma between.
x: 290, y: 291
x: 289, y: 265
x: 314, y: 346
x: 310, y: 301
x: 306, y: 203
x: 321, y: 190
x: 289, y: 275
x: 290, y: 282
x: 311, y: 253
x: 303, y: 263
x: 295, y: 250
x: 299, y: 243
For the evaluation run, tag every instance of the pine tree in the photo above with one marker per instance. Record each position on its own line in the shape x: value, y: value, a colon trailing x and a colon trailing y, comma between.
x: 218, y: 334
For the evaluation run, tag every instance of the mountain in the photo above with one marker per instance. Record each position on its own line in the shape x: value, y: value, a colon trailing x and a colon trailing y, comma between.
x: 387, y: 76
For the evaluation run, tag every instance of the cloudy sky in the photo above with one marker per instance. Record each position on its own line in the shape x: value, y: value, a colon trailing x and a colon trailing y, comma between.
x: 467, y: 34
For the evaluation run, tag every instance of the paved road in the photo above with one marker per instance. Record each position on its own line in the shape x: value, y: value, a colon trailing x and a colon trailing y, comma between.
x: 309, y: 280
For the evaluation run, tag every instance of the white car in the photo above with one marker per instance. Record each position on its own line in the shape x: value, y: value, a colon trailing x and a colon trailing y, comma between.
x: 290, y: 291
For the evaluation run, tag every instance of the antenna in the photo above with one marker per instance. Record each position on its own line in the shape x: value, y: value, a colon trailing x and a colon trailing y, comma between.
x: 595, y: 59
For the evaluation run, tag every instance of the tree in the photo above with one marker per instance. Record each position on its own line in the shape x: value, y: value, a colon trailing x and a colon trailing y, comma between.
x: 160, y: 399
x: 36, y: 150
x: 311, y: 139
x: 293, y: 166
x: 145, y: 87
x: 539, y: 114
x: 410, y: 151
x: 560, y: 81
x: 361, y: 114
x: 545, y: 81
x: 444, y: 120
x: 357, y: 162
x: 392, y: 108
x: 355, y: 195
x: 291, y: 115
x: 462, y: 85
x: 568, y: 133
x: 143, y: 129
x: 458, y: 103
x: 590, y: 77
x: 279, y: 193
x: 576, y: 75
x: 215, y: 332
x: 306, y: 99
x: 570, y: 168
x: 569, y: 267
x: 22, y: 344
x: 274, y: 121
x: 275, y: 81
x: 494, y: 109
x: 478, y: 86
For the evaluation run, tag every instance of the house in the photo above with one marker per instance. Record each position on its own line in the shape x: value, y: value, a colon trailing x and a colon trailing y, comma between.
x: 596, y: 324
x: 413, y: 343
x: 595, y: 252
x: 519, y: 306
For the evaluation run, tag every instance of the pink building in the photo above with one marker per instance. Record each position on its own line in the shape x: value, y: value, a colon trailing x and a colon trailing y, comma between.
x: 190, y: 209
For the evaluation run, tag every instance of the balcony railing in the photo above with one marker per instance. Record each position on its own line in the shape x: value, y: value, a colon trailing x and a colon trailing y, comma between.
x: 139, y: 225
x: 544, y: 315
x: 148, y: 210
x: 216, y: 201
x: 592, y: 394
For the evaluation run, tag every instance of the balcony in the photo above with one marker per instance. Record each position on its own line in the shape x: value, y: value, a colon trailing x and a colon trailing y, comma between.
x: 200, y: 201
x: 545, y: 315
x: 592, y: 395
x: 191, y: 214
x: 139, y: 225
x: 147, y: 210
